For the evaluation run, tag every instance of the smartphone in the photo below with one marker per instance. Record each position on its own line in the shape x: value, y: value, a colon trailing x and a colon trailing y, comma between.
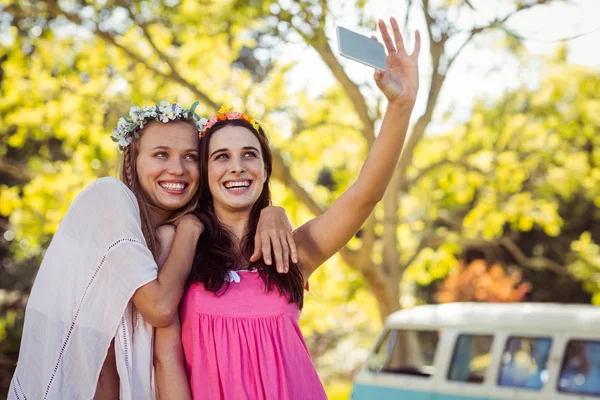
x: 360, y: 48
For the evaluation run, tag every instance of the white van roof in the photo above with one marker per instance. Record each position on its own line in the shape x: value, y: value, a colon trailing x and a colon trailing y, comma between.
x: 567, y: 317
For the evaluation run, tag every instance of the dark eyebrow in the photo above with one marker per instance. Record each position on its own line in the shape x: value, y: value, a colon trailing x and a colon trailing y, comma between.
x: 168, y: 148
x: 244, y: 148
x: 217, y: 151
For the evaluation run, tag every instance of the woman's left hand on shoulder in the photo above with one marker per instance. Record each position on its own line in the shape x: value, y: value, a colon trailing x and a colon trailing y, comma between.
x: 274, y: 234
x: 400, y: 82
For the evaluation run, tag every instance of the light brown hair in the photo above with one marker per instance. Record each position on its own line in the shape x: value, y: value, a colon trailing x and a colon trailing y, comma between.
x: 128, y: 174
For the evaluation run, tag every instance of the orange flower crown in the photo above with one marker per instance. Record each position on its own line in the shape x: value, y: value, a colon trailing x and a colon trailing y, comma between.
x: 225, y: 113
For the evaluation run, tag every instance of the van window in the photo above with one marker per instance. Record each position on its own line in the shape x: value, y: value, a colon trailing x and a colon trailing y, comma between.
x: 408, y: 352
x: 471, y: 358
x: 580, y: 371
x: 523, y: 363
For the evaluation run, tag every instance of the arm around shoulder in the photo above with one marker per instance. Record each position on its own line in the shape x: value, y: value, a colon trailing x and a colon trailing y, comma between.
x: 158, y: 300
x: 166, y: 234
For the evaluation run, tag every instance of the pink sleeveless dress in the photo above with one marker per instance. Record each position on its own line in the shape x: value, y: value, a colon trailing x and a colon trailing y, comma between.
x: 245, y: 344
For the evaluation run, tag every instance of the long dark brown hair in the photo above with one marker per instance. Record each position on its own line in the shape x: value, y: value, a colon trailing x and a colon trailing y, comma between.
x: 216, y: 252
x: 129, y: 176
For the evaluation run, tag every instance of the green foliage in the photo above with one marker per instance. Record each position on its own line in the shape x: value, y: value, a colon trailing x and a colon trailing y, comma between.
x: 7, y: 321
x: 587, y: 265
x: 525, y: 170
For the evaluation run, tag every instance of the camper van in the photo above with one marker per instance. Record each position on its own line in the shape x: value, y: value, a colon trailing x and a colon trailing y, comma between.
x: 477, y: 351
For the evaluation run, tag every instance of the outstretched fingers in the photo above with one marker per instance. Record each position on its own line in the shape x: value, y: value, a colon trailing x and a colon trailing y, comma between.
x: 397, y: 44
x: 397, y: 36
x: 387, y: 40
x: 417, y: 48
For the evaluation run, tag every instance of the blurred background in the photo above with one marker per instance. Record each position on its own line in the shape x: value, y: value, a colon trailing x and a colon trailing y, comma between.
x: 496, y: 197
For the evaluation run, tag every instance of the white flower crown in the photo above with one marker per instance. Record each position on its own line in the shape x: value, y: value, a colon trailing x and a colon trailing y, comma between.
x: 164, y: 111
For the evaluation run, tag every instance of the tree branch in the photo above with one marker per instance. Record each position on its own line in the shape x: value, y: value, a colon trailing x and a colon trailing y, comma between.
x: 531, y: 262
x: 436, y: 50
x: 472, y: 34
x: 500, y: 23
x: 407, y: 16
x: 282, y: 173
x: 423, y: 172
x: 426, y: 241
x: 496, y: 23
x: 320, y: 43
x: 521, y: 258
x: 385, y: 292
x: 333, y: 124
x: 15, y: 170
x: 437, y: 79
x: 368, y: 240
x: 107, y: 37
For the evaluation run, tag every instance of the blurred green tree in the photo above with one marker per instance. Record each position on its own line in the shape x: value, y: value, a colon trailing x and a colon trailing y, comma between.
x: 519, y: 185
x: 68, y: 68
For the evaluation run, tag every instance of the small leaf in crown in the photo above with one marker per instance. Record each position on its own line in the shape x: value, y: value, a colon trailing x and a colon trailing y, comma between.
x: 193, y: 107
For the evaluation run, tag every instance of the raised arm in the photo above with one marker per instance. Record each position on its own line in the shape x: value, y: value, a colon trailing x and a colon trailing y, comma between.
x: 321, y: 237
x: 159, y: 299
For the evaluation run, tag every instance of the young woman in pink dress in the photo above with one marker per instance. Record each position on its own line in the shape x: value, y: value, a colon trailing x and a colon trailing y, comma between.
x: 238, y: 336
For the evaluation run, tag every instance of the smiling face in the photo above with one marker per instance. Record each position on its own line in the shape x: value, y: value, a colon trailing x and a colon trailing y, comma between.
x: 236, y: 169
x: 167, y: 164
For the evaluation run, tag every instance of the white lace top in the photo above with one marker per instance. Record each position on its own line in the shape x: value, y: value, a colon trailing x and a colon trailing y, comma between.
x: 81, y: 300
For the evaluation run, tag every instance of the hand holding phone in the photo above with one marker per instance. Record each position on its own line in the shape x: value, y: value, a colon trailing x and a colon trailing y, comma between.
x: 397, y: 73
x: 360, y: 48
